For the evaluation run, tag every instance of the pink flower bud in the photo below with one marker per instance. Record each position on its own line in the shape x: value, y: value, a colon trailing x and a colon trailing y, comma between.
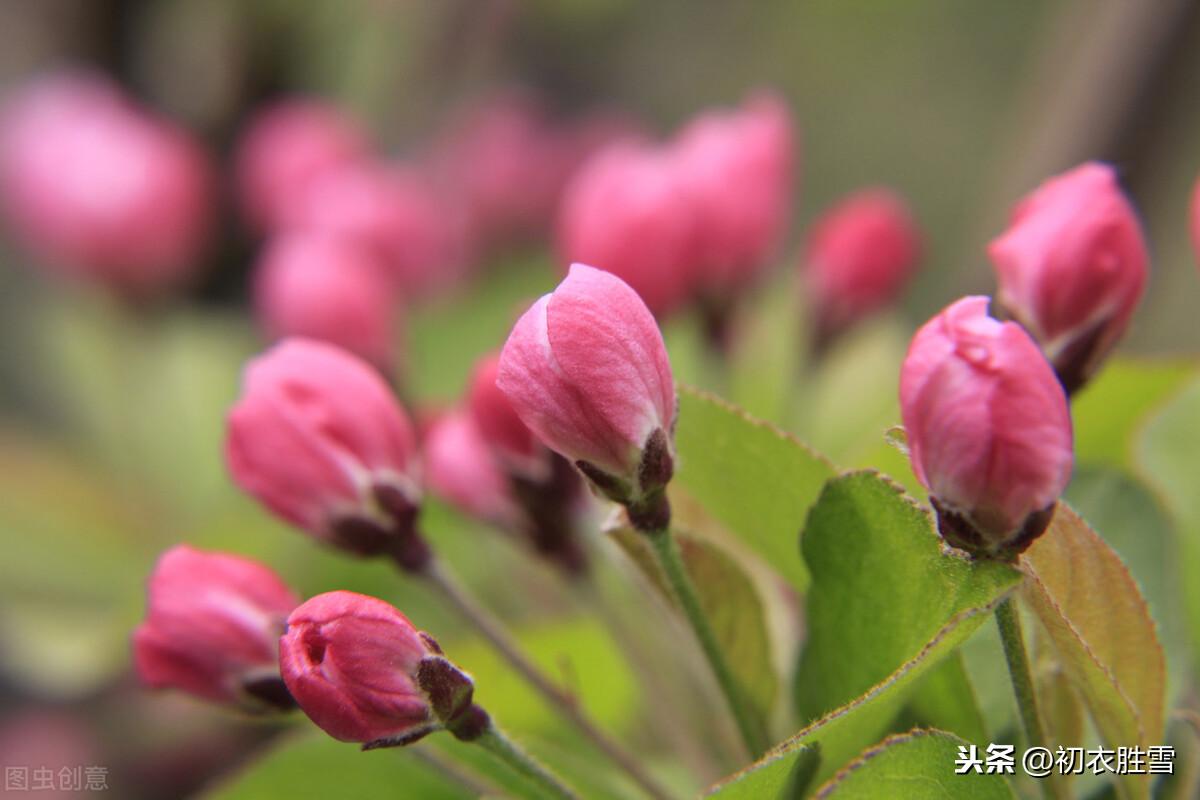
x: 212, y: 627
x: 1071, y: 268
x: 509, y: 440
x: 318, y: 438
x: 396, y: 212
x: 628, y: 211
x: 328, y: 288
x: 284, y: 148
x: 355, y: 666
x: 860, y: 254
x: 738, y: 166
x: 101, y: 189
x: 460, y: 468
x: 586, y: 370
x: 988, y: 427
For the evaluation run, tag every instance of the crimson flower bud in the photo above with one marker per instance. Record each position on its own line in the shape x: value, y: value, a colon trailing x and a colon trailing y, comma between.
x: 1071, y: 268
x: 586, y: 370
x: 318, y: 438
x: 212, y: 625
x: 102, y: 189
x: 361, y: 671
x: 860, y: 254
x: 284, y: 148
x: 510, y: 441
x: 627, y: 211
x: 395, y: 211
x: 460, y: 468
x: 989, y: 430
x: 738, y: 166
x: 328, y: 288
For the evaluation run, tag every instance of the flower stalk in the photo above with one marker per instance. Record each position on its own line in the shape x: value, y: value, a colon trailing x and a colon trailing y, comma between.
x: 749, y: 723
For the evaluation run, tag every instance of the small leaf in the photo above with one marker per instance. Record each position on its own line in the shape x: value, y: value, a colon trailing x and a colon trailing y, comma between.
x: 884, y: 586
x: 918, y: 765
x: 752, y: 477
x: 1100, y: 625
x: 730, y: 601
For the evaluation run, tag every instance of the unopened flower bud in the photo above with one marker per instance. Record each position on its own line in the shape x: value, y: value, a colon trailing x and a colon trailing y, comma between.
x: 328, y: 288
x: 460, y: 468
x: 1071, y: 268
x: 212, y: 627
x: 627, y: 211
x: 397, y: 212
x: 319, y: 439
x: 989, y: 430
x: 102, y: 189
x: 285, y: 147
x: 860, y: 255
x: 738, y: 167
x: 586, y: 370
x: 361, y: 671
x: 511, y: 442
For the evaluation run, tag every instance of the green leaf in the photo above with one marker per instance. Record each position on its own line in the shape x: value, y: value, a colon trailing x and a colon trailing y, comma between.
x: 752, y: 477
x: 312, y: 765
x: 731, y: 602
x: 860, y: 530
x: 1101, y: 627
x: 884, y: 587
x: 946, y: 699
x: 1136, y: 525
x: 1108, y: 413
x: 918, y: 765
x: 1169, y: 455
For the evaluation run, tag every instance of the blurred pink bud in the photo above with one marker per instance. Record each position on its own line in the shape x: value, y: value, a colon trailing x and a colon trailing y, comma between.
x: 860, y: 255
x: 586, y: 370
x: 284, y: 148
x: 394, y: 211
x: 318, y: 438
x: 506, y: 162
x: 512, y: 444
x: 353, y: 665
x: 212, y: 627
x: 628, y: 212
x: 328, y: 288
x: 1071, y: 268
x: 102, y: 189
x: 738, y: 165
x: 988, y: 427
x: 460, y: 468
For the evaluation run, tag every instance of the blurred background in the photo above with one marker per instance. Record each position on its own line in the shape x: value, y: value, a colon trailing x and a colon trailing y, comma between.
x: 112, y: 398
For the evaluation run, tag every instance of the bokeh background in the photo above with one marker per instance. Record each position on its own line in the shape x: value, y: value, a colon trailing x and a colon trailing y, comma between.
x: 111, y: 422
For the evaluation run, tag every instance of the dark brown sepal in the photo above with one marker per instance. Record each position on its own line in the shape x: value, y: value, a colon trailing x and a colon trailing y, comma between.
x: 403, y: 739
x: 657, y: 465
x: 472, y: 723
x: 959, y: 531
x: 610, y: 486
x: 651, y: 513
x: 270, y: 692
x: 448, y: 688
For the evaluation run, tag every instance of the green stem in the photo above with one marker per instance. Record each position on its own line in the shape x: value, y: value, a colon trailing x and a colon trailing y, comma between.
x: 1009, y: 623
x: 494, y: 740
x: 503, y: 643
x: 749, y: 723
